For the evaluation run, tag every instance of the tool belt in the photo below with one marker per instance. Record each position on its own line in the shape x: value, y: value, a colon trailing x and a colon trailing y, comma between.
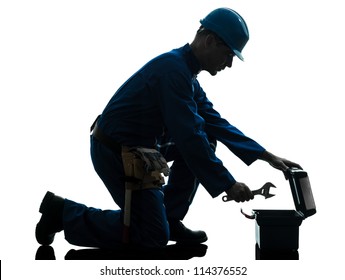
x: 142, y: 166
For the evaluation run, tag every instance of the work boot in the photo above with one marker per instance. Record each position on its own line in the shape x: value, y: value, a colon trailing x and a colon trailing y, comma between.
x: 51, y: 219
x: 183, y: 235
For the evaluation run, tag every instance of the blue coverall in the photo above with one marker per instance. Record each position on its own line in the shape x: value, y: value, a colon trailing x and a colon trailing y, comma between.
x: 161, y: 106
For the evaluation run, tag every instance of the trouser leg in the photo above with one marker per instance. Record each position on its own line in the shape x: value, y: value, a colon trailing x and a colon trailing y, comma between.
x: 91, y: 227
x: 180, y: 190
x: 182, y: 185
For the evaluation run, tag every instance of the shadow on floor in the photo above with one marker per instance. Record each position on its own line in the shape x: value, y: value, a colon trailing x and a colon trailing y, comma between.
x: 170, y: 252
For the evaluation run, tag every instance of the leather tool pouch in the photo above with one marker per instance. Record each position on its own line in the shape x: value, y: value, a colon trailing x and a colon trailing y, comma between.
x: 143, y: 168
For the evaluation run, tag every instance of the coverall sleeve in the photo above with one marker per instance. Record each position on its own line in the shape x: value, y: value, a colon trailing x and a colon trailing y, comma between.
x: 242, y: 146
x: 187, y: 128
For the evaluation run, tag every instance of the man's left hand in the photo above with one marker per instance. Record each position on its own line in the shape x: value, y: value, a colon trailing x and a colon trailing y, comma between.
x: 278, y: 162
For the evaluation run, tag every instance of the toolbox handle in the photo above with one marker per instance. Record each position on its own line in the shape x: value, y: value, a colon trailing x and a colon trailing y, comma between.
x: 251, y: 217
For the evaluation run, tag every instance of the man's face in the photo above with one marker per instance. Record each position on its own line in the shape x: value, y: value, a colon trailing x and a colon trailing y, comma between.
x: 219, y: 57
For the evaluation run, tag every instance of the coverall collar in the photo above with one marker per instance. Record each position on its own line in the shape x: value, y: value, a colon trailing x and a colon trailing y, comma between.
x: 192, y: 61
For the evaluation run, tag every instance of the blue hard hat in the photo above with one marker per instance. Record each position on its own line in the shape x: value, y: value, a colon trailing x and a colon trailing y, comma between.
x: 230, y: 27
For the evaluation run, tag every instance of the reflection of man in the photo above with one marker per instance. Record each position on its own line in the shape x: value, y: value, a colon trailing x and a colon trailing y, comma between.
x: 163, y: 107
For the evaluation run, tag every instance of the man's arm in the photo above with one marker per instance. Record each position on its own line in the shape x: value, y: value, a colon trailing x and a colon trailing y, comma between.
x: 219, y: 128
x: 240, y: 192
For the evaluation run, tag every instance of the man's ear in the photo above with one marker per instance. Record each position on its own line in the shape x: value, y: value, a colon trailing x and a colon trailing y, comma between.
x: 210, y: 41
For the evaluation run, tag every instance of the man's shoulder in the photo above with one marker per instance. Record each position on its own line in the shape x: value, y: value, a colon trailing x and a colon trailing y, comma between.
x: 172, y: 58
x: 173, y: 63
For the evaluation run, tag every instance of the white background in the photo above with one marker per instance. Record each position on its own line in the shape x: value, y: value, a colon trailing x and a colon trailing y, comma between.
x: 61, y: 61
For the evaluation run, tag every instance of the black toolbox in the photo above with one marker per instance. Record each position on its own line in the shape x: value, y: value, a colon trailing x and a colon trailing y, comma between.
x: 278, y: 230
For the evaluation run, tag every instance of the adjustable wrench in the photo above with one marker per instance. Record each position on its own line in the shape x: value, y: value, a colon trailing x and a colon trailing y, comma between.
x: 264, y: 191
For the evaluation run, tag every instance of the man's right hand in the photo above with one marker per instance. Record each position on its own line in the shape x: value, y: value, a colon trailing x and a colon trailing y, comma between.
x: 240, y: 192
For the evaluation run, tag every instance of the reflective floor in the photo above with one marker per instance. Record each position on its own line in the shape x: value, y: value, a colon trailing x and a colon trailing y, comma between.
x: 170, y: 252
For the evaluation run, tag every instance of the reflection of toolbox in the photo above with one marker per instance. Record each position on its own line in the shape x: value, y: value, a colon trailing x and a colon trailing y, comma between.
x: 279, y: 229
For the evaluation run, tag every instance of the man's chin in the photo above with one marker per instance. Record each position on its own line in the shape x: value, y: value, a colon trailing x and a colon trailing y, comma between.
x: 213, y: 73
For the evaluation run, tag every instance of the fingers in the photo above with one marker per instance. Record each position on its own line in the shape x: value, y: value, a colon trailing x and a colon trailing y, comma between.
x: 286, y: 164
x: 278, y: 162
x: 246, y: 194
x: 292, y: 164
x: 241, y: 193
x: 249, y: 193
x: 283, y: 164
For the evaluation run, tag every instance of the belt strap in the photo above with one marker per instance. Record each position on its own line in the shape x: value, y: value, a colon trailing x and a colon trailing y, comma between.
x: 103, y: 138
